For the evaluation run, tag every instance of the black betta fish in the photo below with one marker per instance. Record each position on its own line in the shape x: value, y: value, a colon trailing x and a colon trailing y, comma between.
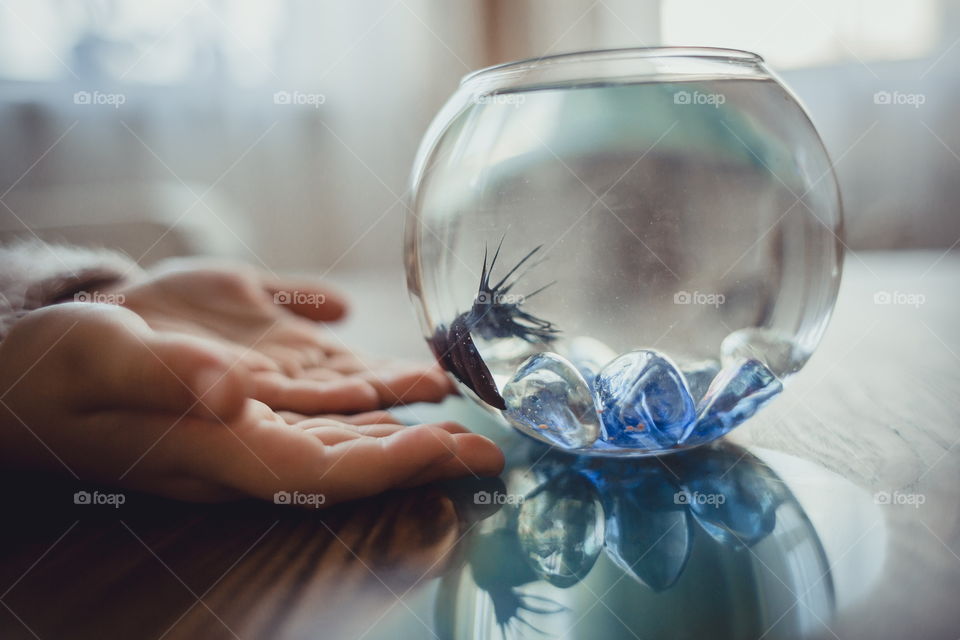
x: 495, y: 314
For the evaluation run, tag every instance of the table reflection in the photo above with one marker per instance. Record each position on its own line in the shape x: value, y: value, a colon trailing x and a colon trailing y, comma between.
x: 708, y: 543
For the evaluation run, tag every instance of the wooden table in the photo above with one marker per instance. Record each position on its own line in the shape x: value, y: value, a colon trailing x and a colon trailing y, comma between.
x: 858, y: 459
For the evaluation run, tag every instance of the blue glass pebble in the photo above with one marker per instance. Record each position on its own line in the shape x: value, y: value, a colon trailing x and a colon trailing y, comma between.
x: 738, y: 392
x: 548, y: 399
x: 644, y: 401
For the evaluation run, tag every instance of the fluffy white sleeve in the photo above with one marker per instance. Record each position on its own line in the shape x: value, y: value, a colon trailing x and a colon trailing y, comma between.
x: 35, y: 274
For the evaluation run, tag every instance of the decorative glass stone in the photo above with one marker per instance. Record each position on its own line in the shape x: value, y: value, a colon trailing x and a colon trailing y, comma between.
x: 548, y: 399
x: 737, y: 393
x: 643, y: 401
x: 773, y: 348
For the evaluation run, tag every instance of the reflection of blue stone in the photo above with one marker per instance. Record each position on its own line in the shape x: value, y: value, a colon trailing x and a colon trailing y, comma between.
x: 734, y: 500
x: 736, y: 524
x: 548, y: 398
x: 649, y: 534
x: 699, y: 375
x: 643, y: 400
x: 737, y: 393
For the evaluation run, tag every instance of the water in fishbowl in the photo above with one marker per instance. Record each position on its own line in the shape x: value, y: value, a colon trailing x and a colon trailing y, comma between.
x: 658, y: 256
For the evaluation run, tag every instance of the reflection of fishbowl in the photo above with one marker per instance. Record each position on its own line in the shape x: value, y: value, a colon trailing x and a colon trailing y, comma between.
x: 712, y: 543
x: 626, y: 252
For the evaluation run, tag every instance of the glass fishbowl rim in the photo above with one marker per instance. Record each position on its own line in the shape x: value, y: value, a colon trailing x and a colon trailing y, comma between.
x: 592, y: 55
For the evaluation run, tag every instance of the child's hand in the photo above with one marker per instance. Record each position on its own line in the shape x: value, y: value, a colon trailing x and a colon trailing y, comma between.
x: 93, y: 389
x: 271, y: 326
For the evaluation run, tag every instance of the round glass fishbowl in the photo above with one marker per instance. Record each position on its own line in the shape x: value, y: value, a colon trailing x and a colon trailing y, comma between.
x: 624, y: 252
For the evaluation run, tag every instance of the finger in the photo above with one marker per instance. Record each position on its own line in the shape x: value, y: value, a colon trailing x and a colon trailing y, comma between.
x: 292, y: 417
x: 333, y: 435
x: 307, y: 299
x: 409, y: 386
x: 288, y: 359
x: 381, y: 430
x: 346, y: 395
x: 375, y: 430
x: 250, y: 358
x: 345, y: 363
x: 322, y: 373
x: 366, y: 418
x: 261, y: 457
x: 456, y: 466
x: 366, y: 466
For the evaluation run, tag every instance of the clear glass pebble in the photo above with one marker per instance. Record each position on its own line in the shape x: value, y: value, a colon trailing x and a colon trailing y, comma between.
x: 773, y: 348
x: 644, y: 401
x: 548, y: 399
x: 738, y: 392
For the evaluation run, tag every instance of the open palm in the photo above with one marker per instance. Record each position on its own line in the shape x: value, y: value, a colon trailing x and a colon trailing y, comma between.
x: 96, y: 390
x: 271, y: 326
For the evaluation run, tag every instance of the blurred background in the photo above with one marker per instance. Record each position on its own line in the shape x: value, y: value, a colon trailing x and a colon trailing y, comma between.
x: 283, y: 131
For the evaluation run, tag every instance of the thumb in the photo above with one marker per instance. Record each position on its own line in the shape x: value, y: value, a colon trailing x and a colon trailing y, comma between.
x: 130, y: 366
